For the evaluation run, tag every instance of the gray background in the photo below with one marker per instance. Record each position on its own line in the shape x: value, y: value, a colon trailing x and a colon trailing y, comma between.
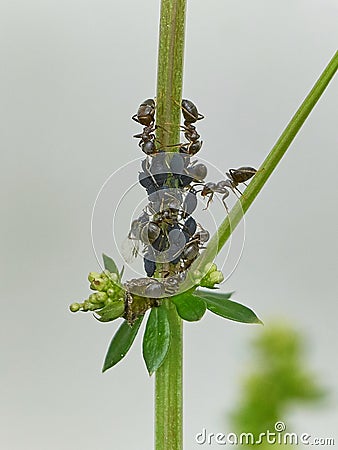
x: 72, y: 74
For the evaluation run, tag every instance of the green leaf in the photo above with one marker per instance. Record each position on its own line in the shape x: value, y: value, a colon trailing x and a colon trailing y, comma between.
x: 221, y: 305
x: 156, y: 339
x: 121, y: 343
x: 225, y: 295
x: 189, y: 307
x: 110, y: 312
x: 110, y: 265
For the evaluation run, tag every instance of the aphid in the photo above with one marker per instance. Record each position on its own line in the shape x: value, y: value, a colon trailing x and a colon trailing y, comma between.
x: 141, y: 294
x: 162, y: 243
x: 202, y: 236
x: 149, y: 266
x: 189, y: 227
x: 197, y: 171
x: 144, y: 287
x: 147, y: 182
x: 171, y: 284
x: 189, y: 204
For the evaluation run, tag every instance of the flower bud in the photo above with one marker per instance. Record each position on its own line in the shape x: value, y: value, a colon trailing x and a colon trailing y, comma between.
x: 74, y: 307
x: 113, y: 277
x: 100, y: 297
x: 213, y: 277
x: 92, y: 276
x: 111, y: 292
x: 99, y: 284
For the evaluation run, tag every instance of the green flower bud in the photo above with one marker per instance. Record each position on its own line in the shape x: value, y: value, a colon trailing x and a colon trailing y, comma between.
x: 197, y: 276
x: 216, y: 277
x: 113, y: 277
x: 87, y: 305
x: 99, y: 284
x: 213, y: 277
x: 92, y: 276
x: 111, y: 292
x: 74, y: 307
x: 101, y: 297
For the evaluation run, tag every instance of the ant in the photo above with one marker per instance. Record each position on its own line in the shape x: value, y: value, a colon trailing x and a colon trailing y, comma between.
x: 146, y: 116
x: 240, y: 175
x: 191, y: 115
x: 236, y: 176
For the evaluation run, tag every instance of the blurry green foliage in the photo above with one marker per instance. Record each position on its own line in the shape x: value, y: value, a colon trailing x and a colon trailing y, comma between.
x: 279, y: 379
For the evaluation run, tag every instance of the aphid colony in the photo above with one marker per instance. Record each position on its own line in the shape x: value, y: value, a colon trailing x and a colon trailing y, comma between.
x: 170, y: 237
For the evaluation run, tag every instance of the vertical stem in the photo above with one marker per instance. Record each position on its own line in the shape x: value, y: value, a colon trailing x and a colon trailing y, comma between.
x: 170, y: 71
x: 169, y: 389
x: 169, y: 377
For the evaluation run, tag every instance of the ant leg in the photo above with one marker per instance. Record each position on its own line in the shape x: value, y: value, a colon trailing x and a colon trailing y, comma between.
x: 209, y: 200
x: 236, y: 188
x: 223, y: 201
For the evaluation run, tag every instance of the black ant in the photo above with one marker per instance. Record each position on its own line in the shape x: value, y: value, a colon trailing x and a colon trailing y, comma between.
x: 236, y: 176
x: 240, y: 175
x: 146, y: 116
x: 191, y: 115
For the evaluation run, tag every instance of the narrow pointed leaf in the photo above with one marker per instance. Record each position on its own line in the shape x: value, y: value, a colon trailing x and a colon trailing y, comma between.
x: 225, y: 295
x: 121, y: 343
x: 110, y: 265
x: 189, y: 307
x: 222, y: 306
x: 156, y: 339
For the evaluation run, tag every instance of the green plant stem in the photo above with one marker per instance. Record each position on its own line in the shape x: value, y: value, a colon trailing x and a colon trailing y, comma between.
x: 169, y: 377
x: 242, y: 205
x: 168, y: 389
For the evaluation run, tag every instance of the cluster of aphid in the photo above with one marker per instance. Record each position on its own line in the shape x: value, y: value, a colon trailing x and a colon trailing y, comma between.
x: 170, y: 236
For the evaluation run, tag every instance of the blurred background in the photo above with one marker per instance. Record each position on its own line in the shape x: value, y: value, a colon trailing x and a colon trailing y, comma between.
x: 72, y: 74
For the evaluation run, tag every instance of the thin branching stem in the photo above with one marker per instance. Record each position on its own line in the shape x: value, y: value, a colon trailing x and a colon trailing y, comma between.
x: 279, y: 149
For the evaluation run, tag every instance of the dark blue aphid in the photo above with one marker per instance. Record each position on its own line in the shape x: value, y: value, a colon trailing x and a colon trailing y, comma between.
x: 149, y: 266
x: 189, y: 227
x: 189, y: 204
x: 147, y: 182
